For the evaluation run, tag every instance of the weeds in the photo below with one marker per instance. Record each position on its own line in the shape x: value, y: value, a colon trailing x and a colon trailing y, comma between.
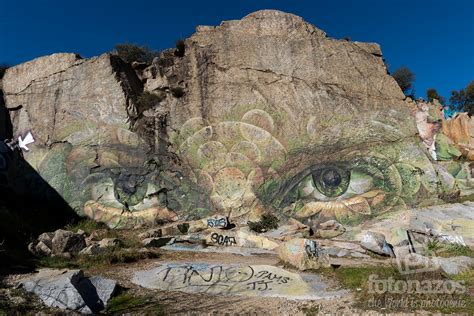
x: 126, y: 303
x: 268, y: 222
x: 86, y: 225
x: 109, y: 257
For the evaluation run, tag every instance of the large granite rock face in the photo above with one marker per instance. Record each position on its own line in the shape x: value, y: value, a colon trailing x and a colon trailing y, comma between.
x: 460, y: 129
x: 263, y: 114
x: 82, y: 114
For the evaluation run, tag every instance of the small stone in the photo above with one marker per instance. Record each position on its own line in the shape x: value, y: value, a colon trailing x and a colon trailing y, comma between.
x: 328, y: 229
x: 42, y: 249
x: 93, y: 249
x: 66, y: 241
x: 157, y: 242
x: 47, y: 239
x: 303, y: 254
x: 110, y: 242
x: 151, y: 233
x: 455, y: 265
x: 376, y: 242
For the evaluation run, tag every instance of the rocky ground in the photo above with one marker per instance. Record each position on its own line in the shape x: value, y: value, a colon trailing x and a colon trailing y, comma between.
x: 166, y: 270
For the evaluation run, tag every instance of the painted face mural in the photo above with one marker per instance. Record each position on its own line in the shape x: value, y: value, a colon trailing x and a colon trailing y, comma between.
x: 115, y: 182
x: 244, y: 166
x: 247, y: 170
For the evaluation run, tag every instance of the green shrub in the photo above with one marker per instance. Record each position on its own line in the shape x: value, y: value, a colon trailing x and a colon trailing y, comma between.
x: 87, y: 225
x: 148, y: 100
x: 404, y: 77
x: 268, y: 222
x: 131, y: 52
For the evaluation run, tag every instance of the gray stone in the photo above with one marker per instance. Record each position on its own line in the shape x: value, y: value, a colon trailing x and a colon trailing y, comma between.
x: 42, y: 249
x: 376, y: 242
x: 96, y: 292
x: 47, y: 239
x: 70, y: 290
x: 66, y: 241
x: 110, y: 242
x: 93, y: 249
x: 328, y: 229
x: 455, y: 265
x: 157, y: 242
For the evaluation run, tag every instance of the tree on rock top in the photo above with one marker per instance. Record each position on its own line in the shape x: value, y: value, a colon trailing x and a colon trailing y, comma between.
x: 463, y: 100
x: 432, y: 94
x: 405, y: 78
x: 131, y: 52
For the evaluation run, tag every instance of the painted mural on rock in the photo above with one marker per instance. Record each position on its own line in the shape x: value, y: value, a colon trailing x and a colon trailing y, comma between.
x: 313, y: 128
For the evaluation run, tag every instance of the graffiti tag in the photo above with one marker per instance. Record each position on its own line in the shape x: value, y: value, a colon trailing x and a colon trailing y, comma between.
x: 312, y: 249
x: 217, y: 222
x: 223, y: 240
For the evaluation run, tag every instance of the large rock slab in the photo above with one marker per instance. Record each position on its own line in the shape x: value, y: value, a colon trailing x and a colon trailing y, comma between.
x: 249, y: 118
x: 460, y: 129
x: 70, y: 290
x: 244, y: 280
x: 447, y: 223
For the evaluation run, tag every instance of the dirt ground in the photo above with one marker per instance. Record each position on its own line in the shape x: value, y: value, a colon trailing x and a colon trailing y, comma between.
x: 141, y: 301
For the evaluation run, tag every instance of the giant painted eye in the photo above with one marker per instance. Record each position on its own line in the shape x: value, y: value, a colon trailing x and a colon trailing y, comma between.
x: 331, y: 181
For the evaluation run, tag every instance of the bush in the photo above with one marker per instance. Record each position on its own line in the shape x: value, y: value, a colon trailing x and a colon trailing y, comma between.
x: 131, y: 52
x: 404, y: 77
x: 463, y: 100
x: 148, y: 100
x: 268, y: 222
x: 180, y: 47
x: 432, y: 94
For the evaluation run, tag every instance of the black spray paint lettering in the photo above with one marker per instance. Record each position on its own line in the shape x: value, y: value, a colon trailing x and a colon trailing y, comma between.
x: 213, y: 276
x: 272, y: 277
x: 223, y: 240
x: 311, y: 249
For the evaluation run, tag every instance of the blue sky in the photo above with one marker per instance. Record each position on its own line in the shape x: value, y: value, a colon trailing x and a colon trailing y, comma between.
x: 435, y: 39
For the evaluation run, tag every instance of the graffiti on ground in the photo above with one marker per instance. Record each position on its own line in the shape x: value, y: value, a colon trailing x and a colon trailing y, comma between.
x: 247, y: 280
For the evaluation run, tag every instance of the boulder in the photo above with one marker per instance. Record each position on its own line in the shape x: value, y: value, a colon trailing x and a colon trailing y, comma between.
x: 234, y: 121
x: 460, y: 129
x: 70, y: 290
x: 245, y: 102
x: 92, y: 250
x: 58, y: 243
x: 67, y: 242
x: 233, y: 279
x: 151, y: 233
x: 455, y: 265
x: 303, y: 254
x: 110, y: 242
x: 242, y: 237
x: 328, y: 229
x: 376, y: 242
